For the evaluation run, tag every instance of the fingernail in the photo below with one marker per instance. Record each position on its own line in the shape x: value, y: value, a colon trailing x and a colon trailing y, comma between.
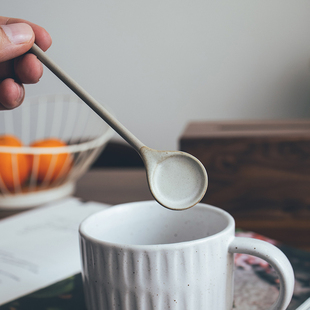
x: 18, y: 33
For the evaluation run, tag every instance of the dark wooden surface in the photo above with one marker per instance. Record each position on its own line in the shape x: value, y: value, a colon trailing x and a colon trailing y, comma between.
x: 118, y: 154
x: 259, y: 171
x: 114, y: 185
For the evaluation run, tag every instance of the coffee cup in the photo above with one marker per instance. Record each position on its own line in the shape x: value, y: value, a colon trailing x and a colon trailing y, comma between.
x: 141, y: 256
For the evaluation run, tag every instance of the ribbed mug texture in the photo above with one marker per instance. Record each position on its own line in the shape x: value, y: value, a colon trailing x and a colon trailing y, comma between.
x: 192, y: 275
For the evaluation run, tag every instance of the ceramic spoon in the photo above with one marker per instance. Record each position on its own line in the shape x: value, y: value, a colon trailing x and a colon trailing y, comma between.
x: 177, y: 180
x: 305, y: 305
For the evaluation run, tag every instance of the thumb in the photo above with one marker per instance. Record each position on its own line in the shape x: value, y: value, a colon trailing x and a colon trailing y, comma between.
x: 15, y: 40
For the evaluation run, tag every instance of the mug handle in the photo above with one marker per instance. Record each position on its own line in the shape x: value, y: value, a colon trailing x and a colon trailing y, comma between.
x: 276, y: 259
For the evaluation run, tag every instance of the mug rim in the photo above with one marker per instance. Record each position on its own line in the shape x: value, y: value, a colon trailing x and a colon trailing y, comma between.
x: 166, y: 246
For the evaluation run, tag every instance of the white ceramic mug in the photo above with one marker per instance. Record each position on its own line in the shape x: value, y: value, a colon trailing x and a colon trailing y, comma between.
x: 141, y: 256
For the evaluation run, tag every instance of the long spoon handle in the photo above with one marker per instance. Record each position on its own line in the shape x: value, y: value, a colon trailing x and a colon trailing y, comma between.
x: 305, y: 305
x: 88, y: 99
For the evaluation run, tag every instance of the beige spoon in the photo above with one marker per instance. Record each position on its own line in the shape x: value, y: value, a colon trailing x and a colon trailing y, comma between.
x: 177, y: 180
x: 305, y: 305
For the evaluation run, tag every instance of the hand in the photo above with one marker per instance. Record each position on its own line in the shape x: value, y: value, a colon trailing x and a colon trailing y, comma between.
x: 17, y: 68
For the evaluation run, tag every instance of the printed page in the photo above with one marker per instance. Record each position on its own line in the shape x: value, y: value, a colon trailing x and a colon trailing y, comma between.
x: 41, y: 246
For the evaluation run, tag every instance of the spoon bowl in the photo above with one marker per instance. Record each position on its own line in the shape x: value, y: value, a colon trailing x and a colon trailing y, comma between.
x: 176, y: 179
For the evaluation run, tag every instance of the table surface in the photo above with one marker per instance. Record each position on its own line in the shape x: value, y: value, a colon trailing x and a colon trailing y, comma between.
x: 114, y: 186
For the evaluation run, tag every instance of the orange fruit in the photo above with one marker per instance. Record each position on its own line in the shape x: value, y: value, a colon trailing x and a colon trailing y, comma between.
x: 50, y: 166
x: 14, y: 167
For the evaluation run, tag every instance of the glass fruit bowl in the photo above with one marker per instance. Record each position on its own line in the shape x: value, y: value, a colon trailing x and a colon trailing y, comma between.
x: 46, y: 144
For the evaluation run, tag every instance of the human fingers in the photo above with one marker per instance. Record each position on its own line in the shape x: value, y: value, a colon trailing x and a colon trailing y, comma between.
x: 11, y: 94
x: 42, y: 37
x: 6, y: 69
x: 15, y: 40
x: 28, y: 69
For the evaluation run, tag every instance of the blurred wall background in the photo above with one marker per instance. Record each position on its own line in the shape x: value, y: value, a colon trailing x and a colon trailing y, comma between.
x: 160, y: 64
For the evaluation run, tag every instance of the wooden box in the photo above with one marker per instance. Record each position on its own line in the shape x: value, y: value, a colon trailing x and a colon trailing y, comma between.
x: 259, y: 171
